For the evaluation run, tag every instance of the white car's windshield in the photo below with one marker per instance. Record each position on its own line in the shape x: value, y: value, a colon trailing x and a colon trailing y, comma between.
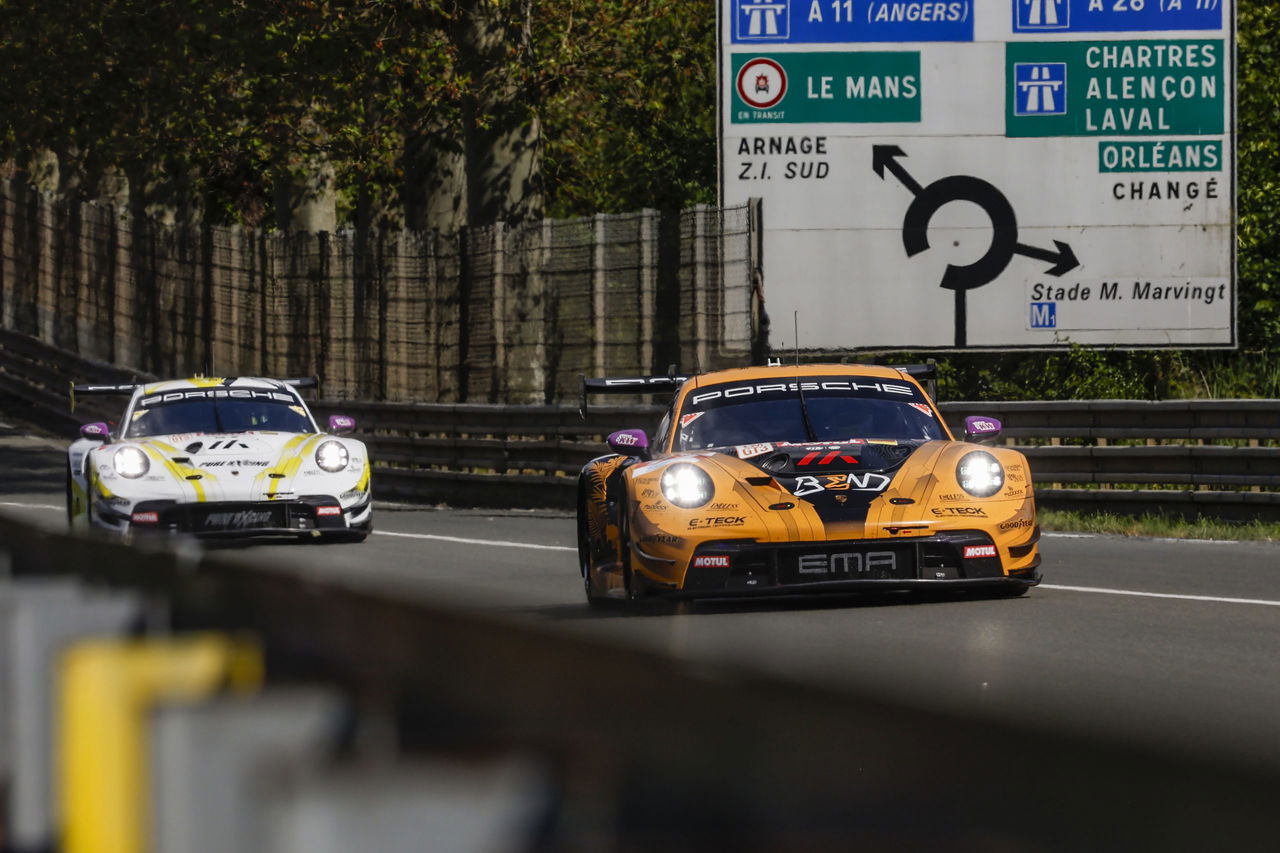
x: 238, y: 410
x: 838, y: 408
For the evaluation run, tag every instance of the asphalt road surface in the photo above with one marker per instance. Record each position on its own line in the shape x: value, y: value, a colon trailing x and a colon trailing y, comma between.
x: 1165, y: 642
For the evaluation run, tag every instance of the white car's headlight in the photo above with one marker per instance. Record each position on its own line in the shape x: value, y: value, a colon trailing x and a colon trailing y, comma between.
x: 331, y: 456
x: 687, y: 486
x: 980, y: 474
x: 131, y: 462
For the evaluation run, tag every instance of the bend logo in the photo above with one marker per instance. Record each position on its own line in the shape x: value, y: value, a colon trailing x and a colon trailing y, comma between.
x: 761, y: 83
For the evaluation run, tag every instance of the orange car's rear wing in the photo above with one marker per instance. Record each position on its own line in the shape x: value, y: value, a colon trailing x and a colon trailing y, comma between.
x: 926, y: 374
x: 628, y: 385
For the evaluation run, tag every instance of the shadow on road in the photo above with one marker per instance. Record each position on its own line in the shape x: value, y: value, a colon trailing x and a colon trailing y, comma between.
x: 712, y: 608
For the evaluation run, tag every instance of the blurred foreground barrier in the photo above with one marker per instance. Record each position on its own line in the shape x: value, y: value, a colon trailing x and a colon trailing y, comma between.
x: 108, y: 691
x: 467, y: 731
x: 41, y: 617
x: 1185, y: 457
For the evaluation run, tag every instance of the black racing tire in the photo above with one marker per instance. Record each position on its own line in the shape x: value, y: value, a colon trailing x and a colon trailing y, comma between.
x: 584, y: 551
x: 634, y: 591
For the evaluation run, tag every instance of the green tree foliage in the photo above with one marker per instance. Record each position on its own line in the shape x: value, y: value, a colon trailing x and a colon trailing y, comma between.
x: 630, y: 104
x: 234, y: 93
x: 1258, y: 145
x: 611, y: 103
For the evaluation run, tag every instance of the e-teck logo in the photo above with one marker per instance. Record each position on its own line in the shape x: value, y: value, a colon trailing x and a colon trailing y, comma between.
x: 1044, y: 315
x: 1040, y: 89
x: 761, y: 83
x: 762, y: 20
x: 1042, y: 14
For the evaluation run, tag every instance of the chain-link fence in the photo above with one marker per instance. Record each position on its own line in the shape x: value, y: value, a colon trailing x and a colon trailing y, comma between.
x: 500, y: 313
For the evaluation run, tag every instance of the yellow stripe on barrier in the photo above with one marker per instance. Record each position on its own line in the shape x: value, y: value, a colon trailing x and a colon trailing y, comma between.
x: 107, y: 690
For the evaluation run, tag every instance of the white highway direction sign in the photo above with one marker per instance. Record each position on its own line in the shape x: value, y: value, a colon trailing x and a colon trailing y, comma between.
x: 994, y: 174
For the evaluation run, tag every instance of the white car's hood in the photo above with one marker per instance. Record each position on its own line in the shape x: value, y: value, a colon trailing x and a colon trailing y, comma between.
x: 255, y: 466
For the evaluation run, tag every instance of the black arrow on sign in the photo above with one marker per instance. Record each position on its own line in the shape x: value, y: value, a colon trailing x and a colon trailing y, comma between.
x: 1064, y: 260
x: 1004, y: 242
x: 886, y: 157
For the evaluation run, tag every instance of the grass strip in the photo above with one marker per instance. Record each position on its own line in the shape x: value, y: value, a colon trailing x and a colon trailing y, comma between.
x: 1157, y: 525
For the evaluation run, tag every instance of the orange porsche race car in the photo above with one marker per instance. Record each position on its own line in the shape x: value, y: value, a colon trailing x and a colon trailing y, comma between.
x: 803, y: 479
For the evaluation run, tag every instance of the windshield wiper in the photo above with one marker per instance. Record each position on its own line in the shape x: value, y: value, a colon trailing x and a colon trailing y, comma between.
x: 804, y: 412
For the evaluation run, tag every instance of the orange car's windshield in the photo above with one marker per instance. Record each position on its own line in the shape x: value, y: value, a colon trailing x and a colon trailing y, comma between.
x: 838, y: 407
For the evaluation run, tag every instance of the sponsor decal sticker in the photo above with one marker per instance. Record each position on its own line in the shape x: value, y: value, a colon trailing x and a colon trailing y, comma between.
x: 654, y: 507
x: 750, y: 451
x: 724, y: 507
x: 817, y: 458
x: 660, y: 539
x: 145, y: 518
x: 973, y: 552
x: 328, y: 510
x: 1015, y: 524
x: 953, y: 496
x: 244, y: 518
x: 685, y: 420
x: 868, y: 482
x: 216, y: 393
x: 850, y: 564
x: 922, y: 408
x: 711, y: 561
x: 626, y: 439
x: 717, y: 521
x: 962, y: 511
x: 884, y: 388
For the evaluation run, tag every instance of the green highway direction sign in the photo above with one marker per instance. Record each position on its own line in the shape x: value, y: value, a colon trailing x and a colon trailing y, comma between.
x: 806, y: 88
x: 1118, y: 88
x: 999, y: 174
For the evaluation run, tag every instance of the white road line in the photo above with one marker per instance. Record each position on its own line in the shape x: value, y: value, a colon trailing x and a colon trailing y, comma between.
x: 1134, y: 592
x: 1173, y: 539
x: 496, y: 542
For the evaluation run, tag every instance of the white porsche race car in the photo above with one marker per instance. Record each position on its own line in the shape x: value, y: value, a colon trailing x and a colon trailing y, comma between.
x: 219, y: 458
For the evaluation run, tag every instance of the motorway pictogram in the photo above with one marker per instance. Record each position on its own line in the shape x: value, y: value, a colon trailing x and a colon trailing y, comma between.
x: 1004, y: 223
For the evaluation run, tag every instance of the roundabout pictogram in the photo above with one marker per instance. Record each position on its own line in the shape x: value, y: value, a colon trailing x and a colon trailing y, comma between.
x: 928, y: 200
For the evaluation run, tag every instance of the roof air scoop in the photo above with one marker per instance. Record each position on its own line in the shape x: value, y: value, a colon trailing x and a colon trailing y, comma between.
x: 194, y: 447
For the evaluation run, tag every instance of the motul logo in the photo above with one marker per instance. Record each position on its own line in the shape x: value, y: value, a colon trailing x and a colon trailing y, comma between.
x: 709, y: 561
x: 975, y: 551
x: 145, y: 518
x: 328, y: 510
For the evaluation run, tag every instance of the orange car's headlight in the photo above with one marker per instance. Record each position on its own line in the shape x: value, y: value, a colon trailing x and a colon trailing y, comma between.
x: 687, y: 486
x: 980, y: 474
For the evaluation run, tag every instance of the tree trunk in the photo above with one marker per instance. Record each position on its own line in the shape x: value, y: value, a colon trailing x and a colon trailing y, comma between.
x: 487, y: 165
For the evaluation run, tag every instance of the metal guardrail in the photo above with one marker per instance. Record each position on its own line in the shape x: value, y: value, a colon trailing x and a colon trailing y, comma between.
x: 645, y: 751
x: 1103, y: 454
